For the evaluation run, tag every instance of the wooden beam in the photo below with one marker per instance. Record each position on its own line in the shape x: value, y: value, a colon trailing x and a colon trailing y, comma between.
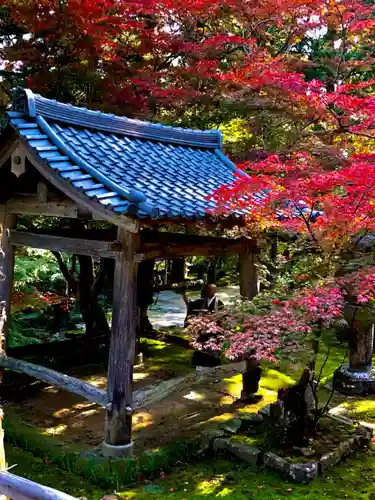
x: 9, y: 143
x: 92, y: 248
x: 249, y: 280
x: 164, y: 244
x: 66, y: 382
x: 23, y: 489
x: 118, y: 430
x: 67, y: 209
x: 173, y: 245
x: 7, y: 222
x: 74, y: 194
x: 42, y: 192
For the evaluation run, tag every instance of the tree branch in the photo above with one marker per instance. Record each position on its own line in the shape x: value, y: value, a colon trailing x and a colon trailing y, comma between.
x: 98, y: 280
x: 72, y: 283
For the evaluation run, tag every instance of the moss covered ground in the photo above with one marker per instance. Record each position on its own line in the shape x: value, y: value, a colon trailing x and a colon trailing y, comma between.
x: 220, y: 478
x: 214, y: 479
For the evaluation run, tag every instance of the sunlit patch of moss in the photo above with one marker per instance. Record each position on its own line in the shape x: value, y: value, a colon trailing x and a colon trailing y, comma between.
x: 208, y: 486
x: 226, y: 400
x: 362, y: 409
x: 254, y: 441
x: 268, y: 397
x: 224, y: 417
x: 56, y: 430
x: 275, y: 380
x: 234, y: 385
x: 141, y: 420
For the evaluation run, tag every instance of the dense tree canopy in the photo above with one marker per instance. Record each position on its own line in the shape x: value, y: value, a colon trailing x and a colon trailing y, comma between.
x: 291, y: 80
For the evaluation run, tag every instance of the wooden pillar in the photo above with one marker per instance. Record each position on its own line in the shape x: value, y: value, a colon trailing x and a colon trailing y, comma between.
x: 3, y: 463
x: 122, y: 349
x: 7, y: 222
x: 249, y: 282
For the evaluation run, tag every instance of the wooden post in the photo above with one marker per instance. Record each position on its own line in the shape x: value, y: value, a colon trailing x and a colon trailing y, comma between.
x: 250, y: 380
x: 118, y: 440
x: 249, y: 282
x: 7, y: 222
x: 3, y: 463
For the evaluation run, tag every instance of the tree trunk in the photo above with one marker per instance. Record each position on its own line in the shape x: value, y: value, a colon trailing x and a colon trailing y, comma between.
x: 177, y: 271
x: 92, y: 312
x: 250, y: 379
x: 145, y: 291
x: 211, y: 271
x: 122, y: 345
x: 249, y: 282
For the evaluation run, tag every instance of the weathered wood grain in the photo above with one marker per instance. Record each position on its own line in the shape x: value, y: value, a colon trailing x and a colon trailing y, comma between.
x: 92, y: 248
x: 7, y: 222
x: 70, y: 384
x: 19, y: 488
x: 122, y: 343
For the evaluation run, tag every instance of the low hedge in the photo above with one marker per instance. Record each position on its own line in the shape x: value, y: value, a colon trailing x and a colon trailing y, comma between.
x: 114, y: 474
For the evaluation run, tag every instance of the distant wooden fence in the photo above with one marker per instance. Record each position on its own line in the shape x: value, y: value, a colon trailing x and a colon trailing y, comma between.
x: 18, y: 488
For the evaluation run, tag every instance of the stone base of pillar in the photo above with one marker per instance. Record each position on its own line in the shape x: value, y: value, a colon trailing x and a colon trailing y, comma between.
x: 110, y: 451
x: 355, y: 382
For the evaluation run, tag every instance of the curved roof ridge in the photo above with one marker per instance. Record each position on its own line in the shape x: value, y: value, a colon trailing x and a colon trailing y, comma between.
x: 25, y: 101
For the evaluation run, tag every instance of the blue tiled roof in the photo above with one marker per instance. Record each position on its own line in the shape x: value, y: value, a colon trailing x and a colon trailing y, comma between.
x: 135, y: 168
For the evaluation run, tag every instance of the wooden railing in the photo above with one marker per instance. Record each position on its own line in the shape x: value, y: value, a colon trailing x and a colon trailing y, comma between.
x: 18, y: 488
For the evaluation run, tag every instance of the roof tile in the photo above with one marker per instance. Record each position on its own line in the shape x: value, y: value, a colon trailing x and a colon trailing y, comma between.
x: 135, y: 168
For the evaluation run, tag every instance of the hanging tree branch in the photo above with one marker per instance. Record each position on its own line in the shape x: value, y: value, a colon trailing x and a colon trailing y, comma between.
x: 72, y: 283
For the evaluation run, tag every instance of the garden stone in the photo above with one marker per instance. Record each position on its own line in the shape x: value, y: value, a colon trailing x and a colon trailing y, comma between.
x: 265, y: 412
x: 251, y: 420
x: 221, y: 444
x: 346, y: 447
x: 248, y: 454
x: 204, y: 443
x: 275, y: 462
x: 232, y: 426
x: 363, y: 435
x: 213, y: 433
x: 307, y: 452
x: 329, y: 460
x: 303, y: 473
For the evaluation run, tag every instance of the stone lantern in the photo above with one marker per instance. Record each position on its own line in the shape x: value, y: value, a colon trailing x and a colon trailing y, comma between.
x: 358, y: 376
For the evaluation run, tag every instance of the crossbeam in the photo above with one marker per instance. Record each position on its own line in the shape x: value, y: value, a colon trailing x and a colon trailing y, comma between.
x: 154, y: 244
x: 67, y: 208
x: 92, y: 248
x: 172, y: 245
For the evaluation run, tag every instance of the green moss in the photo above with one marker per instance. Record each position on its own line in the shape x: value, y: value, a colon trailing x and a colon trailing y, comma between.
x: 41, y: 471
x: 254, y: 441
x: 105, y: 473
x: 170, y: 358
x: 228, y: 479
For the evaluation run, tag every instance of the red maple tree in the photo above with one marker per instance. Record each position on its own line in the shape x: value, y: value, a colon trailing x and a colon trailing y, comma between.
x: 205, y: 60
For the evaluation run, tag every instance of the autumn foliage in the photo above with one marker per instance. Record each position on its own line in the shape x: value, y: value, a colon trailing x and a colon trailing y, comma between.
x: 297, y: 72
